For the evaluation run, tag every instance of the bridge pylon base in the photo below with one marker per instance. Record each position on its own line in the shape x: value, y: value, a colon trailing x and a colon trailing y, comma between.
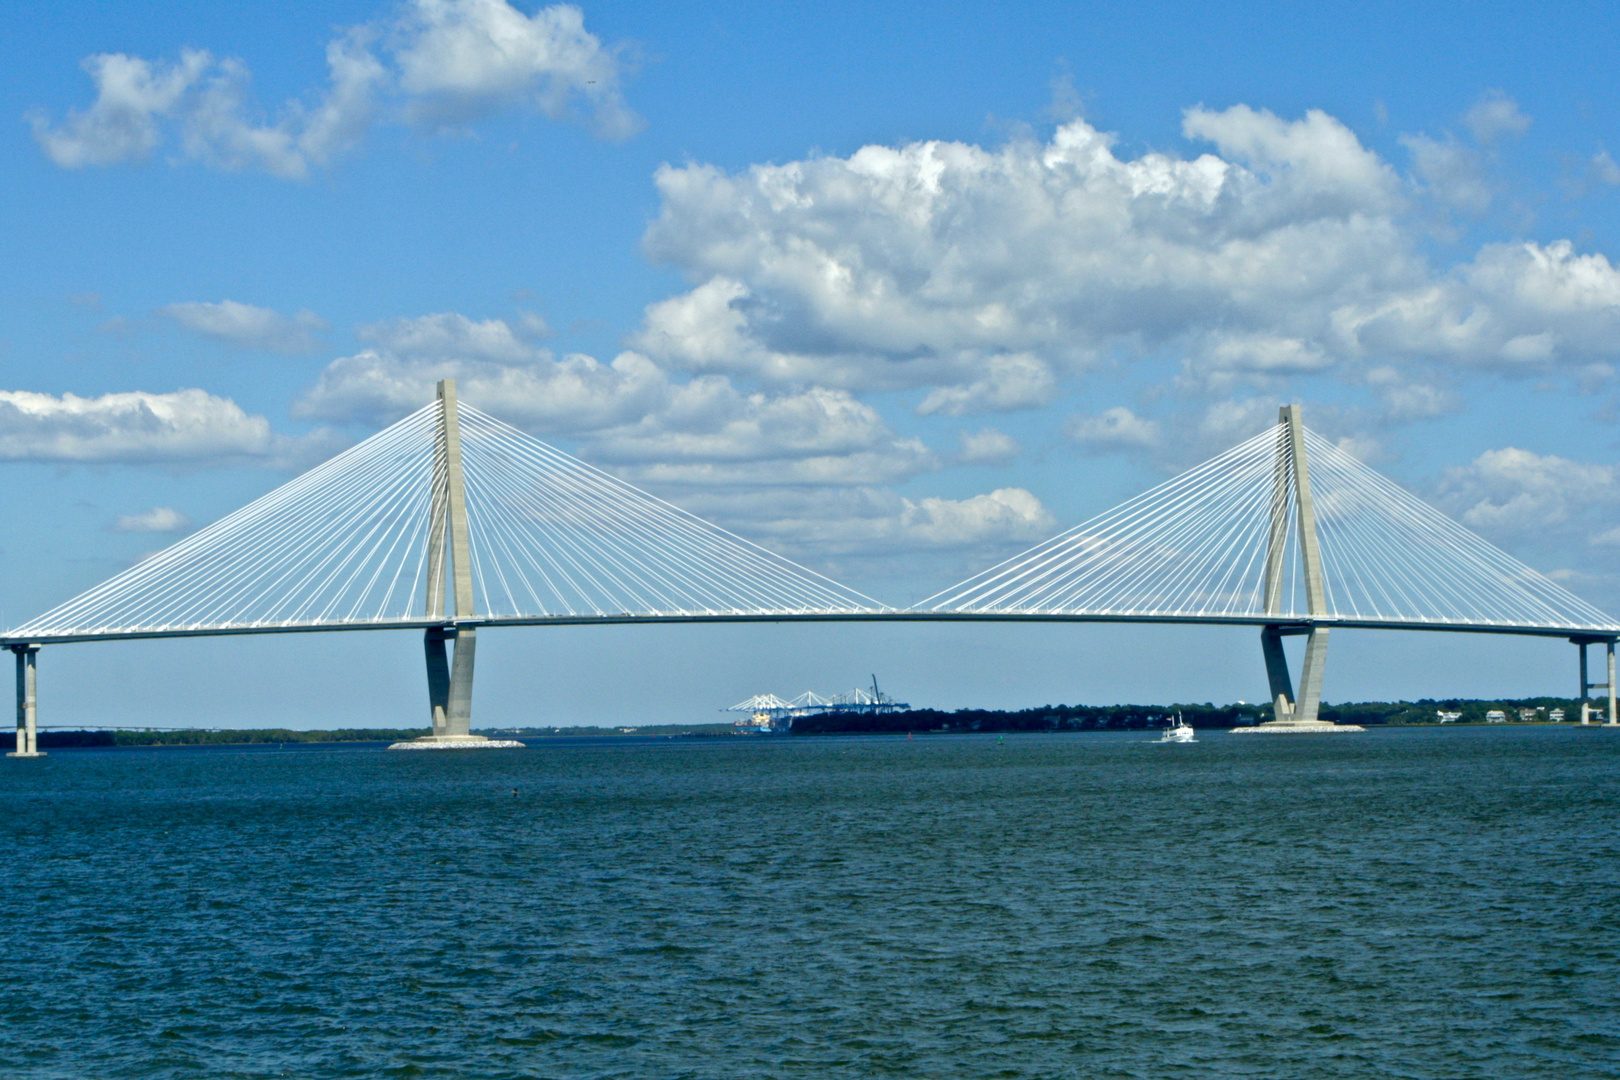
x: 27, y: 703
x: 457, y: 742
x: 1296, y: 727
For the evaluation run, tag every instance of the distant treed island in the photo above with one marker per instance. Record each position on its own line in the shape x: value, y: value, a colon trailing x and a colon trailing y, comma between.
x: 1206, y: 715
x: 910, y: 721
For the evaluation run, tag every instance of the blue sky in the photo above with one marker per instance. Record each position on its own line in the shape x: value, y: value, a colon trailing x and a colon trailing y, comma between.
x: 802, y: 271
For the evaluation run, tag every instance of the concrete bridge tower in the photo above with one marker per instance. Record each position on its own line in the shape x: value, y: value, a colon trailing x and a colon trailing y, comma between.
x: 1291, y: 482
x: 450, y: 666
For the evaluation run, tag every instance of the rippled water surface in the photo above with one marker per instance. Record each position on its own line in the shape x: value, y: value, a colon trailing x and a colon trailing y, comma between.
x: 1405, y: 903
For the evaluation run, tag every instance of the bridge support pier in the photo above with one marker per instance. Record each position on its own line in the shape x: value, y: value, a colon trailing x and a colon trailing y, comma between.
x: 459, y: 720
x: 450, y: 682
x: 1612, y: 718
x: 27, y: 702
x: 1292, y: 714
x: 438, y: 677
x: 1282, y: 687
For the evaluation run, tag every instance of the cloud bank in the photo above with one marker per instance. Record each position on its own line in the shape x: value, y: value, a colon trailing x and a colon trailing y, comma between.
x: 435, y: 64
x: 950, y: 280
x: 186, y: 427
x: 985, y: 277
x: 793, y: 465
x: 627, y: 412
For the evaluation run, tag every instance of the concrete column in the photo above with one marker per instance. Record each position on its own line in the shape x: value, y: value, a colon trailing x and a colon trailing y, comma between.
x: 1282, y: 687
x: 1310, y: 553
x: 1277, y: 537
x: 1309, y: 701
x: 438, y: 513
x: 21, y: 747
x: 1285, y: 705
x: 1610, y: 715
x: 1586, y: 683
x: 458, y: 711
x: 1310, y: 675
x: 455, y: 496
x: 27, y: 702
x: 1613, y: 719
x: 438, y: 675
x: 458, y: 716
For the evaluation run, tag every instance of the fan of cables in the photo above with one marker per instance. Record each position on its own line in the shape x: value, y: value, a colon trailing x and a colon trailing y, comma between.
x: 1197, y: 546
x: 551, y: 535
x: 347, y: 544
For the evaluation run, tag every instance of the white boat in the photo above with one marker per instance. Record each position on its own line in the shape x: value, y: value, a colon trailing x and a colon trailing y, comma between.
x: 1180, y: 731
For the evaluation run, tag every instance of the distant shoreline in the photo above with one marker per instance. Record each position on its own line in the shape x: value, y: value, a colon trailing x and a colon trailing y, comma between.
x: 1048, y: 718
x: 65, y: 739
x: 1424, y: 713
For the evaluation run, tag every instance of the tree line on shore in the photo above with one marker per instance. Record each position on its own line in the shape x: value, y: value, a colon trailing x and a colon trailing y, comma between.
x: 1044, y: 718
x: 1143, y: 717
x: 210, y: 737
x: 105, y: 738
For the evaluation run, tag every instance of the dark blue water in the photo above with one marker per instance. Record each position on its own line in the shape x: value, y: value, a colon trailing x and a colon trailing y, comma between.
x: 1412, y: 903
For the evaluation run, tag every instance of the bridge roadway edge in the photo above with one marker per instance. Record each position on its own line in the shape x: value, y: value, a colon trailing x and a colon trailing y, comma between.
x: 1288, y: 624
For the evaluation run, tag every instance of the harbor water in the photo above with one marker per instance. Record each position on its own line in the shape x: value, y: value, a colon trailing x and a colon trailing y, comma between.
x: 1440, y: 903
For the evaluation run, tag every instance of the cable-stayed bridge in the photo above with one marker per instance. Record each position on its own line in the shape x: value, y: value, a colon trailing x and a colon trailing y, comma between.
x: 449, y: 521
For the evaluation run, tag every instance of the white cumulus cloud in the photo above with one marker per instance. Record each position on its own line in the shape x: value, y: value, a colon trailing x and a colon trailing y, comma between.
x: 122, y: 124
x: 1406, y: 398
x: 159, y: 519
x: 1514, y: 492
x: 216, y: 128
x: 932, y: 263
x: 1560, y: 515
x: 988, y: 275
x: 710, y: 433
x: 459, y: 59
x: 987, y: 446
x: 1515, y: 307
x: 1003, y: 514
x: 860, y: 528
x: 438, y: 63
x: 1454, y: 173
x: 495, y: 368
x: 249, y: 327
x: 1493, y: 116
x: 1117, y: 428
x: 184, y: 426
x: 627, y: 413
x: 1009, y: 383
x: 1603, y: 168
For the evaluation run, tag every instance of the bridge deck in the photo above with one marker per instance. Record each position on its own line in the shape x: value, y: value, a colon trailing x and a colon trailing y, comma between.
x: 895, y: 615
